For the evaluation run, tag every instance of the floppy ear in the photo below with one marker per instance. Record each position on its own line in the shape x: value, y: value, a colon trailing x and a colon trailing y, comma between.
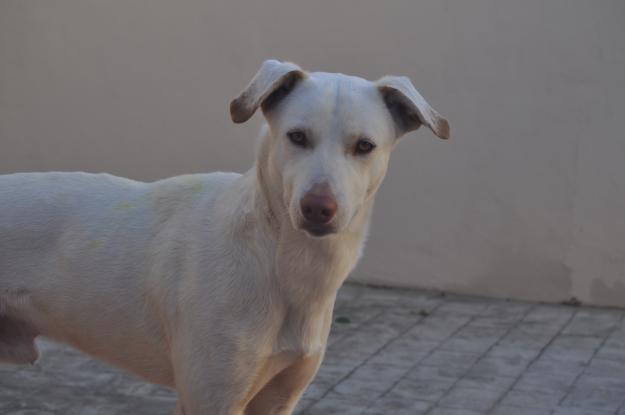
x: 273, y: 81
x: 408, y: 108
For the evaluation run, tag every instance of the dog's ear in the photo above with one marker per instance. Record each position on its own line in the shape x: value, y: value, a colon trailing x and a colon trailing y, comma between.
x: 273, y: 81
x: 408, y: 108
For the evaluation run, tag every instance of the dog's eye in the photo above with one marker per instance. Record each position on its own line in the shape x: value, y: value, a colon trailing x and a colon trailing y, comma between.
x: 364, y: 146
x: 298, y: 138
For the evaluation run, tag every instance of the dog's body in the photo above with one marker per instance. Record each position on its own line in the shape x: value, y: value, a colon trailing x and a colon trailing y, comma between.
x: 220, y: 285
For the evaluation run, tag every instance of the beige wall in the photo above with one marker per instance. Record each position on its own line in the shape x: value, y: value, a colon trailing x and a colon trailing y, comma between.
x: 527, y: 200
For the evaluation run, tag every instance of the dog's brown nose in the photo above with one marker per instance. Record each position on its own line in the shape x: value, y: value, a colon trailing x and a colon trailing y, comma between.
x: 318, y: 205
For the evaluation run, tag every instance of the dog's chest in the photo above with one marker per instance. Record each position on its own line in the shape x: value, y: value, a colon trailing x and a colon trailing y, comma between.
x: 304, y: 332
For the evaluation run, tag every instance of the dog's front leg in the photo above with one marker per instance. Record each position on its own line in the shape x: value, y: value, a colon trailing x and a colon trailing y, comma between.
x: 211, y: 379
x: 204, y: 389
x: 280, y: 395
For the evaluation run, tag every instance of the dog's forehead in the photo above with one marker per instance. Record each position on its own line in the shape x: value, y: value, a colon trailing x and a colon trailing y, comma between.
x: 339, y: 78
x: 339, y: 86
x: 335, y: 100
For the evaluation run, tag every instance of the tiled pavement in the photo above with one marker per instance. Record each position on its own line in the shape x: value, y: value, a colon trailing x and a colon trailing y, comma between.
x: 392, y: 352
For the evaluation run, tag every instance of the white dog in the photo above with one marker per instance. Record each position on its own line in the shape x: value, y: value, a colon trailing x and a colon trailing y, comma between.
x: 220, y: 285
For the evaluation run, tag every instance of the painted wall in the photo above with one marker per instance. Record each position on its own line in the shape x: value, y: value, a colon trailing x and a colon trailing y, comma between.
x: 527, y: 200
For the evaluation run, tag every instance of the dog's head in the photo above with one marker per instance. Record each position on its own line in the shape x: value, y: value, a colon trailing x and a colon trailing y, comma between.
x: 330, y: 137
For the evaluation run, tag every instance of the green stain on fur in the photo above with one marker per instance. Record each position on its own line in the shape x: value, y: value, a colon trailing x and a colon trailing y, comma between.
x: 197, y: 187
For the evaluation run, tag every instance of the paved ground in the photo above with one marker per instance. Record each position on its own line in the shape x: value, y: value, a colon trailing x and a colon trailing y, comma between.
x: 393, y: 352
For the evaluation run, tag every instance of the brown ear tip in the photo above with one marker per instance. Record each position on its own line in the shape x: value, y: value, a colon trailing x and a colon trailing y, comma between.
x: 443, y: 130
x: 237, y: 112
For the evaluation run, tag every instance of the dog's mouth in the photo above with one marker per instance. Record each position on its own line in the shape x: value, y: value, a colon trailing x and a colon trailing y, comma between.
x: 316, y: 230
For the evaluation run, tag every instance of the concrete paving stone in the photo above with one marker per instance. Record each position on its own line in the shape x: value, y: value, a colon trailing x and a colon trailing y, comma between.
x: 479, y: 400
x: 404, y: 352
x: 6, y: 368
x: 453, y: 362
x: 316, y: 390
x: 355, y: 314
x: 412, y: 343
x: 462, y: 307
x: 398, y: 320
x: 382, y: 329
x: 507, y: 310
x: 473, y: 331
x: 489, y: 382
x: 435, y: 327
x: 388, y: 405
x: 513, y: 351
x: 30, y: 378
x: 372, y: 371
x: 79, y: 401
x: 539, y: 331
x: 598, y: 323
x: 127, y: 385
x: 364, y: 379
x: 513, y: 410
x: 505, y: 323
x: 540, y: 399
x: 590, y: 381
x: 398, y: 358
x: 334, y: 338
x: 13, y: 398
x: 431, y: 373
x: 549, y: 314
x: 374, y: 333
x: 499, y: 366
x: 334, y: 404
x: 612, y: 349
x: 563, y: 369
x: 341, y: 359
x: 349, y: 293
x: 427, y: 390
x: 477, y: 339
x: 365, y: 391
x: 606, y: 368
x: 619, y: 332
x: 598, y: 398
x: 341, y: 330
x: 326, y: 378
x: 564, y: 410
x: 521, y: 338
x: 453, y: 411
x: 146, y: 407
x: 541, y: 381
x: 572, y: 347
x: 358, y: 346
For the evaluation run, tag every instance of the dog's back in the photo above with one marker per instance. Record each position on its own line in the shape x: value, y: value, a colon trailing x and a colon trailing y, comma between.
x: 42, y: 212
